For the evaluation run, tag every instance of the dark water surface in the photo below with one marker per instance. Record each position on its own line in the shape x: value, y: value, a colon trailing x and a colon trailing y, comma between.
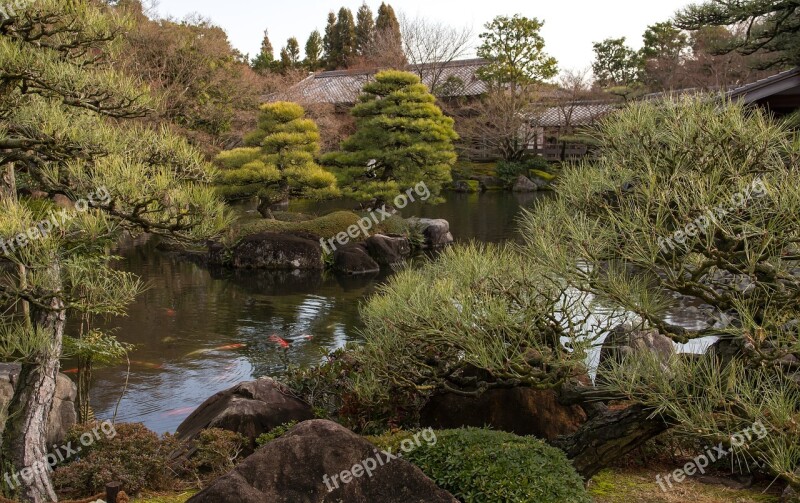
x: 198, y: 332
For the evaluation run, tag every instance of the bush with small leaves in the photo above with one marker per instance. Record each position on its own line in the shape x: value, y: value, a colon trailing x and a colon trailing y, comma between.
x: 485, y: 466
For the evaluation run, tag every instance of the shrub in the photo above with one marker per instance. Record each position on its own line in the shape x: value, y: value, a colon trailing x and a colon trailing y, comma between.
x: 510, y: 170
x: 216, y: 453
x: 135, y: 456
x: 485, y: 466
x: 274, y: 433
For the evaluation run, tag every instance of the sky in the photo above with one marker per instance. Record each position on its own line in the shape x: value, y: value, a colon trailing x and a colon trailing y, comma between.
x: 571, y: 26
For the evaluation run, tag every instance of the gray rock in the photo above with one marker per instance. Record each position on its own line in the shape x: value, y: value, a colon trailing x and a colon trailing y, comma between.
x: 490, y: 182
x: 436, y: 232
x: 249, y: 408
x: 625, y: 340
x: 524, y: 184
x: 388, y: 250
x: 300, y: 466
x: 269, y: 250
x: 354, y: 259
x: 63, y: 414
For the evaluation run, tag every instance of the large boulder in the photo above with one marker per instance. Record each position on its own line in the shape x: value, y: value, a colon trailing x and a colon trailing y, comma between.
x: 320, y: 461
x: 436, y: 231
x: 523, y: 411
x: 466, y: 186
x: 490, y: 183
x: 270, y: 250
x: 354, y: 259
x: 388, y: 249
x: 63, y: 414
x: 524, y: 184
x: 249, y: 408
x: 625, y: 340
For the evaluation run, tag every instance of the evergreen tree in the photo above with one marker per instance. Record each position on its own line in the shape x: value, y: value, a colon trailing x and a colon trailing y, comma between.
x: 773, y: 27
x: 290, y: 54
x: 266, y: 58
x: 662, y: 55
x: 387, y: 31
x: 365, y: 30
x: 515, y: 50
x: 615, y: 63
x: 402, y: 138
x: 63, y: 131
x: 314, y: 51
x: 277, y: 162
x: 330, y: 43
x: 345, y: 47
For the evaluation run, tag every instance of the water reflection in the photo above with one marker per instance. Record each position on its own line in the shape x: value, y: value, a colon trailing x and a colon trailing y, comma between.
x: 198, y: 331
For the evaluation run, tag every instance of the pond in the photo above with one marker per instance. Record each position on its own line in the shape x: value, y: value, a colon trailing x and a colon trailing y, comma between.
x: 198, y: 331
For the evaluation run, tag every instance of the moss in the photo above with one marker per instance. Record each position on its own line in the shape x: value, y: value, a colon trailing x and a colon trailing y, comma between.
x: 543, y: 175
x: 166, y: 498
x: 625, y: 485
x: 467, y: 169
x: 326, y: 226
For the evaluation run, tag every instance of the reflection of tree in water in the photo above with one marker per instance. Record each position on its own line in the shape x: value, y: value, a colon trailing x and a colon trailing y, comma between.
x: 314, y: 312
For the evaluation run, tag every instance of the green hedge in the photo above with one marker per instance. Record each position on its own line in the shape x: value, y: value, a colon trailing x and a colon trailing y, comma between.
x: 486, y: 466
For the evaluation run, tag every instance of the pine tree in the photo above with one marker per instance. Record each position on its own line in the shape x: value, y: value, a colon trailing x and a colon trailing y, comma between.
x: 330, y: 43
x: 290, y: 54
x: 345, y: 38
x: 63, y: 131
x: 402, y: 138
x: 277, y: 162
x: 773, y: 27
x: 266, y: 58
x: 365, y: 30
x: 314, y: 51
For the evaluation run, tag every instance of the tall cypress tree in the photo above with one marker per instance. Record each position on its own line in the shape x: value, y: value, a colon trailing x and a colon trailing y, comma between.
x: 345, y: 38
x: 387, y: 29
x: 330, y: 43
x: 314, y: 51
x: 266, y: 57
x: 365, y: 30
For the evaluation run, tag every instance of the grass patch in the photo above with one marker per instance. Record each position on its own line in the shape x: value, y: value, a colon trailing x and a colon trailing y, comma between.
x: 620, y: 485
x: 165, y: 498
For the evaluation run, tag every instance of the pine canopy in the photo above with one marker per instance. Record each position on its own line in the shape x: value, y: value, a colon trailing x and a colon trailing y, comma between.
x: 277, y: 161
x: 402, y: 138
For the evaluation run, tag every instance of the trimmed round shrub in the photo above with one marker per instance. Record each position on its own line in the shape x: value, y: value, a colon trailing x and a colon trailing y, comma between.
x: 485, y: 466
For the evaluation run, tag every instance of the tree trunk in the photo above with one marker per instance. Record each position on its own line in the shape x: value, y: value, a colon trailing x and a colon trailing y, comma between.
x: 608, y: 436
x: 25, y: 434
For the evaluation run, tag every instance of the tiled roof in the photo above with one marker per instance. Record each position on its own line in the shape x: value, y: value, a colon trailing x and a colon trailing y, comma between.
x: 344, y: 86
x: 767, y: 87
x: 574, y: 114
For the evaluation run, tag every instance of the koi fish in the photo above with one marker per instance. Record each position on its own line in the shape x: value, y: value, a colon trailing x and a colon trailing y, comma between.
x: 170, y: 312
x: 279, y: 341
x: 70, y: 371
x: 147, y: 365
x: 227, y: 347
x: 180, y: 412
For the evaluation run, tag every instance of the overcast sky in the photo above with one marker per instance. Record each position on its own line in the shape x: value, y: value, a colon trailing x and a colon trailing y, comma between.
x: 570, y: 25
